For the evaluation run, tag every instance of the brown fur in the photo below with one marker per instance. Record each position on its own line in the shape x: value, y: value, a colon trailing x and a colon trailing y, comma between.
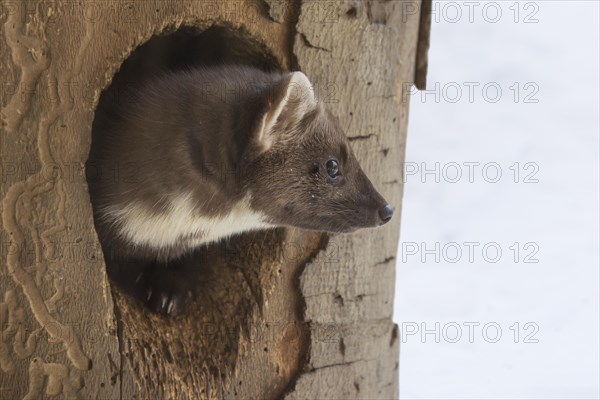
x: 197, y: 130
x: 221, y: 134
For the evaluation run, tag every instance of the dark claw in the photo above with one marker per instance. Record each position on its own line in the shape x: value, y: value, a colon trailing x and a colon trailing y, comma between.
x: 164, y: 289
x: 167, y: 299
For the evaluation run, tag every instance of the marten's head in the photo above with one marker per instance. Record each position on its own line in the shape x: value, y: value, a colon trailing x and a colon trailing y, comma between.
x: 303, y: 172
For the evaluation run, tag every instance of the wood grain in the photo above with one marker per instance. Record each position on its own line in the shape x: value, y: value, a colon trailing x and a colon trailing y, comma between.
x: 282, y: 314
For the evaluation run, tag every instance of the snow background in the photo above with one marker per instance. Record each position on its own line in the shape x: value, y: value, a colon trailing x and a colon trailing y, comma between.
x: 559, y: 214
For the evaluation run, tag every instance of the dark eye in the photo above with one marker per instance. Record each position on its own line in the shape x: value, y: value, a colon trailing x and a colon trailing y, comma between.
x: 333, y: 169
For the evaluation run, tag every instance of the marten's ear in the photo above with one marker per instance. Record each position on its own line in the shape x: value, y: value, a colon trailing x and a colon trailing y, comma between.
x: 289, y: 101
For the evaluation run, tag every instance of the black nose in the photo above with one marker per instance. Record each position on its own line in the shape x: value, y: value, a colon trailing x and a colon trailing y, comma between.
x: 386, y: 213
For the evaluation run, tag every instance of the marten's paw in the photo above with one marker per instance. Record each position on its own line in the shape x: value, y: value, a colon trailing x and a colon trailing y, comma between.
x: 164, y: 291
x: 165, y: 288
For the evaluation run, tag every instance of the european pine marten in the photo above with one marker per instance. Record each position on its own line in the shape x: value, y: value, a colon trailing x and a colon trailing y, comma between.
x: 206, y: 153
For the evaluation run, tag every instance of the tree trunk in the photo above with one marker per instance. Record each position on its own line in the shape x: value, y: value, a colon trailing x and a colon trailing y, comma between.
x: 281, y: 314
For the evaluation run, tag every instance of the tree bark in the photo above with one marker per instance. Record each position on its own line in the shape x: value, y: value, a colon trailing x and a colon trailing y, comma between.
x: 282, y: 314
